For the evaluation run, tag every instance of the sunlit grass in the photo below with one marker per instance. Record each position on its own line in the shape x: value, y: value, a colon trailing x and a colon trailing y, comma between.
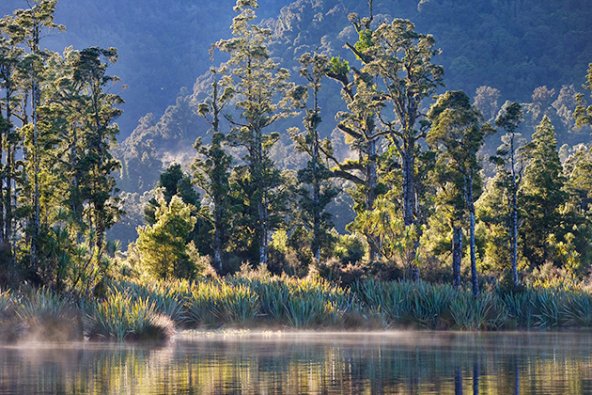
x: 122, y: 316
x: 132, y: 310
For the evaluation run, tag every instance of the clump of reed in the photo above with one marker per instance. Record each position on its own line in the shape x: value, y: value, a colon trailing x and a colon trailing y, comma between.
x: 6, y: 303
x: 133, y: 310
x: 42, y: 314
x: 122, y: 316
x: 167, y: 297
x: 314, y: 302
x: 215, y: 303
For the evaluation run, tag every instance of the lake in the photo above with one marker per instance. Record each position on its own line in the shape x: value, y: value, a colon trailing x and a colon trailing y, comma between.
x: 308, y: 363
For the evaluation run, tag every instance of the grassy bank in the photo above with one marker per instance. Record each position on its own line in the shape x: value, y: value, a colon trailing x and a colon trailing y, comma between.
x: 153, y: 311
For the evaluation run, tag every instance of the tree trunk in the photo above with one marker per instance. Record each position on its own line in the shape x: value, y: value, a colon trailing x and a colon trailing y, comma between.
x: 410, y: 203
x: 409, y: 200
x: 372, y: 178
x: 36, y: 200
x: 457, y: 252
x: 218, y: 238
x: 263, y: 242
x: 515, y: 279
x: 3, y: 131
x: 9, y: 167
x: 35, y: 99
x: 316, y: 196
x: 471, y: 205
x: 458, y: 382
x: 261, y: 194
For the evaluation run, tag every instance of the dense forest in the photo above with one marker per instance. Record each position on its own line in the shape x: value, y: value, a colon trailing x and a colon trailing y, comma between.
x: 348, y: 158
x: 482, y: 50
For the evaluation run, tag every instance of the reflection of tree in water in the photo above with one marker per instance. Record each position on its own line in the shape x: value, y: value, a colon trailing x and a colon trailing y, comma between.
x: 455, y: 364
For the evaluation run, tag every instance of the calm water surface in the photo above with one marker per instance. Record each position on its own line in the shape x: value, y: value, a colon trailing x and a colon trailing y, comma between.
x: 302, y: 363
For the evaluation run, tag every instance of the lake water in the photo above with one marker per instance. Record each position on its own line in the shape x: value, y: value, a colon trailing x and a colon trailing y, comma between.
x: 308, y: 363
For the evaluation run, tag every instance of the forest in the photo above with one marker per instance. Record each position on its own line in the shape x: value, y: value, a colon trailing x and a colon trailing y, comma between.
x: 333, y: 190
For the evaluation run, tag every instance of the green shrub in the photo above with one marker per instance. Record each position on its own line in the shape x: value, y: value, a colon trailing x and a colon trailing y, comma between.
x: 168, y: 297
x: 273, y: 298
x: 350, y: 249
x: 519, y: 306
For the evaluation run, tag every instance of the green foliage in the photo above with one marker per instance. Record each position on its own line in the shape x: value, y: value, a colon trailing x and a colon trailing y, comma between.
x: 123, y: 317
x: 350, y: 249
x: 163, y: 247
x: 218, y: 303
x: 261, y: 91
x: 583, y: 113
x: 541, y: 194
x: 47, y: 315
x: 484, y: 312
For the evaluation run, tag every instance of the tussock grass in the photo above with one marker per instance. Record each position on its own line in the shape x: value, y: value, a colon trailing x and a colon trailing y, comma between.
x: 46, y: 316
x: 121, y: 316
x: 135, y: 311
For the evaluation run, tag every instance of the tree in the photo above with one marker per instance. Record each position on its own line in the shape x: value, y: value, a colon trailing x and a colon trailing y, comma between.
x: 26, y: 27
x: 510, y: 172
x: 316, y: 188
x: 577, y: 212
x: 583, y: 113
x: 400, y: 60
x: 541, y: 193
x: 211, y: 169
x: 262, y: 98
x: 457, y: 135
x: 10, y: 57
x: 359, y: 126
x: 163, y: 246
x: 97, y: 164
x: 174, y: 181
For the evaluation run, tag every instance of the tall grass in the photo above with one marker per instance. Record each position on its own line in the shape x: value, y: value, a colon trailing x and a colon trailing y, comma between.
x: 45, y: 315
x: 167, y: 297
x: 124, y: 317
x: 214, y: 303
x: 313, y: 302
x: 6, y: 303
x: 135, y: 311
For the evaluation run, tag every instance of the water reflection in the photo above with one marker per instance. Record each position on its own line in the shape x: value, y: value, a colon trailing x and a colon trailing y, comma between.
x: 271, y: 363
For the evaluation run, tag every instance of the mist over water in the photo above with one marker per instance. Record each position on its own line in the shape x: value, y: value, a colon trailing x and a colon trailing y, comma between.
x: 307, y: 363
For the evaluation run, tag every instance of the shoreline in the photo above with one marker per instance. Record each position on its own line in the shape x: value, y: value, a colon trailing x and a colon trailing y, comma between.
x: 138, y: 312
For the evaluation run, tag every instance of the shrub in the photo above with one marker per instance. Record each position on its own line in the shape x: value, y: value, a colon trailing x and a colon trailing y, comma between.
x: 547, y: 307
x: 350, y: 249
x: 313, y: 301
x: 519, y: 306
x: 431, y: 304
x: 273, y: 297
